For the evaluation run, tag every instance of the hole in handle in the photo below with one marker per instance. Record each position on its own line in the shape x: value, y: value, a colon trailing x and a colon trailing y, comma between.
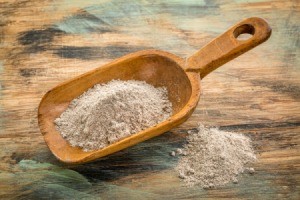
x: 244, y: 32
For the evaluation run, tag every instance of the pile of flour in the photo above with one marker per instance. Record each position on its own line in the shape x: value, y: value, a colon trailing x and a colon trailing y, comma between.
x: 213, y: 157
x: 109, y: 112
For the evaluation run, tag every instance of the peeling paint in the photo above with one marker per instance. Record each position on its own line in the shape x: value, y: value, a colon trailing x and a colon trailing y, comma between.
x: 83, y: 22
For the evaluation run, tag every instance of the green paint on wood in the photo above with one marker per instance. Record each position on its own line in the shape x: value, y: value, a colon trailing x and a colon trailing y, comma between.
x: 184, y: 2
x: 50, y: 181
x: 31, y: 164
x: 268, y: 186
x: 83, y: 23
x: 252, y: 1
x: 56, y: 191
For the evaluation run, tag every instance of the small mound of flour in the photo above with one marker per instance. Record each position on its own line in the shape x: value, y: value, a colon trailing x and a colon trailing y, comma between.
x: 213, y: 157
x: 109, y: 112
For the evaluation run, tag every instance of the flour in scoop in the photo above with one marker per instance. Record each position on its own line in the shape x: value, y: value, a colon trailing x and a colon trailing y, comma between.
x: 110, y: 112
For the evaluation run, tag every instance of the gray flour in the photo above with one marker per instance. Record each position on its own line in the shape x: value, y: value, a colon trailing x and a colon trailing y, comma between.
x: 213, y: 157
x: 109, y: 112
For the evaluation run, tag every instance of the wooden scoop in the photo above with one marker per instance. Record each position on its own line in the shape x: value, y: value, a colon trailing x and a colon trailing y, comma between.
x: 181, y: 77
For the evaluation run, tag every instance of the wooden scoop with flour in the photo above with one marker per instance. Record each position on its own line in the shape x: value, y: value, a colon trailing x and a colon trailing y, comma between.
x: 181, y: 77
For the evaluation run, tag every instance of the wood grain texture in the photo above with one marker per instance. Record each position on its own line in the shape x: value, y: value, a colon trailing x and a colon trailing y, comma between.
x: 46, y: 42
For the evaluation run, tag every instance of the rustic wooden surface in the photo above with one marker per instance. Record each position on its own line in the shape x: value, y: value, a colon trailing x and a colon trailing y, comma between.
x: 43, y: 43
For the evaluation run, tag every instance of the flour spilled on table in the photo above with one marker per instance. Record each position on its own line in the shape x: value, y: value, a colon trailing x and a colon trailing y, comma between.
x: 213, y: 157
x: 109, y: 112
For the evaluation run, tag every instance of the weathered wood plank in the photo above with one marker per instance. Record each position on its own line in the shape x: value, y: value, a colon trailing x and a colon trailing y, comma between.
x: 46, y: 42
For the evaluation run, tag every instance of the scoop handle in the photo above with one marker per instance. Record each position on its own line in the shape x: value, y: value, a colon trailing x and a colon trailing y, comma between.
x: 227, y: 47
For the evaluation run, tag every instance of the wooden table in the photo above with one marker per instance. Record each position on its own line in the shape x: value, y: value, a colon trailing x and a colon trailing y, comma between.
x: 43, y: 43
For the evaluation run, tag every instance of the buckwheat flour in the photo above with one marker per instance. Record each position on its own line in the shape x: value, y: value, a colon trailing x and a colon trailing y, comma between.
x: 213, y: 157
x: 109, y: 112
